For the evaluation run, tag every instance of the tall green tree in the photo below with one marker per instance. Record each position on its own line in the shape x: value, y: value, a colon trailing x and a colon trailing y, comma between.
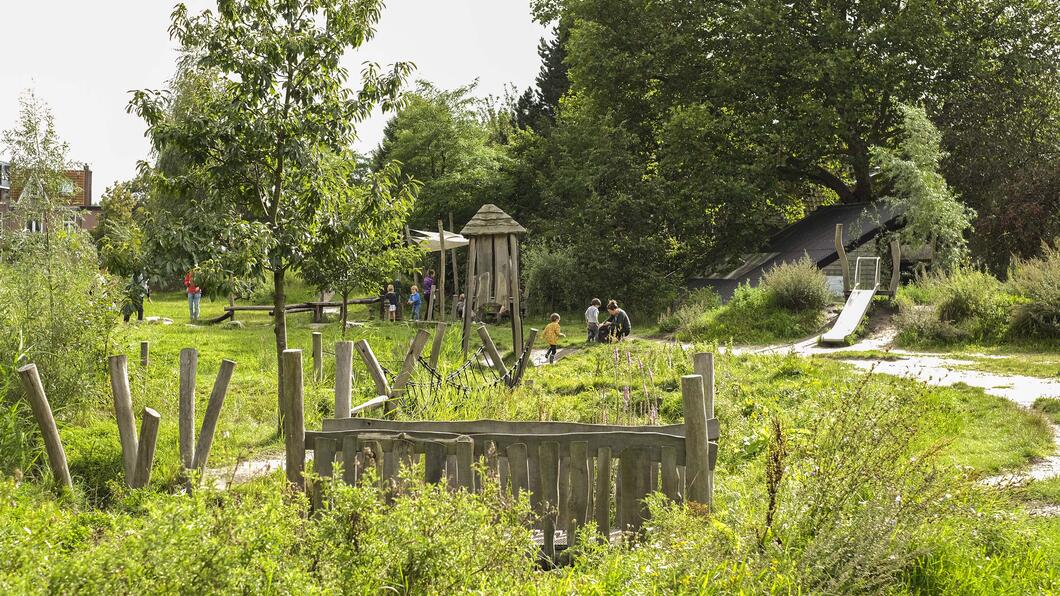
x: 273, y: 143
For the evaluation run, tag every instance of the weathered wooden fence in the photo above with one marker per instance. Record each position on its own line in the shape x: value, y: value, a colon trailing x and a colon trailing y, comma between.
x: 573, y: 472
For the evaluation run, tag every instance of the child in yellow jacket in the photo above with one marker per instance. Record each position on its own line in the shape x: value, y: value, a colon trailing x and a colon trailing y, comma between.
x: 551, y: 335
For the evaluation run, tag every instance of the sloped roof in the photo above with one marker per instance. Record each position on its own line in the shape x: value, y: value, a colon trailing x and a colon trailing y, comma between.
x: 432, y: 242
x: 491, y: 220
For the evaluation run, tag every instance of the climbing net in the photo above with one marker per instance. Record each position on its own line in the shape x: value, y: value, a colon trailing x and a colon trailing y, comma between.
x: 474, y: 378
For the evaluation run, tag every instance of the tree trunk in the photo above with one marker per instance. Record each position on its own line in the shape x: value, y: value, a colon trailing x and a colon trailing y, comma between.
x: 345, y: 312
x: 862, y: 173
x: 279, y: 317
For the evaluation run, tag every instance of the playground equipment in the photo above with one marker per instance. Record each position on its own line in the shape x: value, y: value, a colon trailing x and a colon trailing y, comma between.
x: 858, y: 302
x: 493, y: 269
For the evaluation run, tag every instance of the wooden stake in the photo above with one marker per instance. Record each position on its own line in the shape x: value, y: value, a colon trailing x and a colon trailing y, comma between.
x: 318, y: 356
x: 145, y: 353
x: 469, y: 298
x: 516, y: 293
x: 452, y: 254
x: 697, y: 448
x: 703, y: 365
x: 42, y: 411
x: 440, y: 290
x: 189, y: 361
x: 602, y: 500
x: 492, y: 352
x: 382, y: 386
x: 548, y: 455
x: 145, y: 453
x: 213, y: 413
x: 343, y: 378
x: 436, y: 347
x: 293, y: 393
x: 118, y: 367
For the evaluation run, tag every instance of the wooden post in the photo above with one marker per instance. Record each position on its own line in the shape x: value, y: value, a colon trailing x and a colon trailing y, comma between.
x: 351, y: 448
x: 440, y: 282
x: 408, y: 240
x: 145, y: 453
x: 632, y: 477
x: 697, y: 449
x: 896, y: 267
x: 517, y: 467
x: 492, y: 352
x: 434, y: 462
x: 324, y: 466
x: 382, y: 386
x: 452, y: 255
x: 42, y: 411
x: 524, y: 360
x: 469, y: 297
x: 343, y: 378
x: 465, y: 457
x: 669, y: 474
x: 119, y: 387
x: 213, y: 413
x: 294, y: 415
x: 516, y: 294
x: 703, y: 365
x: 602, y: 500
x: 189, y: 361
x: 318, y: 356
x: 578, y: 507
x: 548, y: 456
x: 407, y: 368
x: 436, y: 346
x: 841, y: 251
x: 145, y: 354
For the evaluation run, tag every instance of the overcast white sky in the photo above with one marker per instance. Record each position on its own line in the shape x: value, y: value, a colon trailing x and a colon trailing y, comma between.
x: 83, y: 58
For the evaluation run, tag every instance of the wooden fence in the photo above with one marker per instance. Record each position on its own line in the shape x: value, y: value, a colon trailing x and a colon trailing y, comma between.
x: 572, y: 471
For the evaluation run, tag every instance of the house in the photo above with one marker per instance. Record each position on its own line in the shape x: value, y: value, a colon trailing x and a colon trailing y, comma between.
x: 79, y: 190
x: 864, y: 227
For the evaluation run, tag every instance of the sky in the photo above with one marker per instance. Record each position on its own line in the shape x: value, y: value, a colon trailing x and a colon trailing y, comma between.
x: 83, y: 58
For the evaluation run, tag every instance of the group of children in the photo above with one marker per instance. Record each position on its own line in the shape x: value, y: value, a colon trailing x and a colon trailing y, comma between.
x: 613, y: 329
x: 416, y: 300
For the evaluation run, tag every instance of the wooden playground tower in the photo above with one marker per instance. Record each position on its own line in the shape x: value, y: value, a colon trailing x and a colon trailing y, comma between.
x: 493, y: 269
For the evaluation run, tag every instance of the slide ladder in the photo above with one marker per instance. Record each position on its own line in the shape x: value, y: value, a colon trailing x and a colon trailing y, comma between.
x: 857, y: 303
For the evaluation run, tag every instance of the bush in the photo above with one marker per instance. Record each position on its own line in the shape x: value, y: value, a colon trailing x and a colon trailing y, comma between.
x: 797, y: 286
x: 963, y: 305
x: 550, y: 274
x: 1037, y: 283
x: 752, y: 316
x: 694, y: 305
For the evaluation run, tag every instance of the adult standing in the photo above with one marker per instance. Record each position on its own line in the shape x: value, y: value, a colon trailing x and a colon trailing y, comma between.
x: 137, y: 292
x: 617, y: 324
x: 194, y: 295
x: 428, y: 285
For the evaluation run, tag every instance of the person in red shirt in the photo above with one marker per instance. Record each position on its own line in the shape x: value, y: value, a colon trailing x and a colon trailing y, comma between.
x: 194, y: 295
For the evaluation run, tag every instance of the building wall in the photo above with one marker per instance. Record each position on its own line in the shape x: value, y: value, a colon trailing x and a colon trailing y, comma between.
x: 87, y: 213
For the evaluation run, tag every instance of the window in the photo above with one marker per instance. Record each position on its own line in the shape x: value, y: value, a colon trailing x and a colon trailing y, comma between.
x: 70, y: 222
x: 34, y: 225
x: 68, y: 187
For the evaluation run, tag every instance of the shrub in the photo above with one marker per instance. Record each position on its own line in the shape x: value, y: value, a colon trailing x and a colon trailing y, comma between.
x: 797, y: 286
x: 550, y: 274
x: 752, y: 316
x: 692, y: 307
x: 963, y: 305
x: 1037, y: 283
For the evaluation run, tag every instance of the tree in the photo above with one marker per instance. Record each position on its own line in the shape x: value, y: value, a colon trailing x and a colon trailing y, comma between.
x: 361, y: 242
x: 119, y: 231
x: 270, y: 144
x: 538, y: 106
x: 930, y: 211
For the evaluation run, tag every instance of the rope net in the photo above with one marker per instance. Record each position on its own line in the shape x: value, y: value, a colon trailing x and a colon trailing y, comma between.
x: 473, y: 379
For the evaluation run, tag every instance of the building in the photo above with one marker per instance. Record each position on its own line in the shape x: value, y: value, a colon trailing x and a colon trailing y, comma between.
x: 84, y: 215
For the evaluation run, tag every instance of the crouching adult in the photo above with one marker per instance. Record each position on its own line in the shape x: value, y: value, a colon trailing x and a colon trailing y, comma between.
x: 617, y: 324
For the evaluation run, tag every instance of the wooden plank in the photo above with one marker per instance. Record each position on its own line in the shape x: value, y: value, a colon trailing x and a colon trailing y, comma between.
x: 452, y: 254
x: 351, y: 448
x: 484, y: 267
x: 633, y: 472
x: 563, y: 497
x: 213, y: 413
x: 437, y: 344
x: 434, y: 462
x: 548, y: 458
x: 524, y: 360
x: 504, y: 474
x: 382, y: 386
x: 145, y: 452
x: 697, y: 450
x: 343, y: 378
x: 145, y: 354
x: 578, y: 501
x: 502, y: 269
x: 641, y: 489
x: 517, y: 464
x: 465, y: 453
x: 324, y: 466
x: 318, y: 356
x: 293, y: 393
x: 118, y: 366
x: 492, y: 352
x: 375, y: 402
x: 468, y: 427
x: 602, y: 498
x: 409, y: 366
x: 189, y: 360
x: 703, y: 365
x: 516, y: 294
x: 469, y: 301
x: 669, y: 474
x: 440, y: 282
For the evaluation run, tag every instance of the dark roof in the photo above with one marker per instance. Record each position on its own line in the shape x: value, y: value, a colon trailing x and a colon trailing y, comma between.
x: 491, y: 220
x: 814, y: 235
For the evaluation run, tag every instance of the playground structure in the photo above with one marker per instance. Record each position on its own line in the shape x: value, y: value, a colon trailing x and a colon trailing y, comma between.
x: 859, y: 297
x: 493, y: 270
x: 569, y: 469
x: 316, y: 307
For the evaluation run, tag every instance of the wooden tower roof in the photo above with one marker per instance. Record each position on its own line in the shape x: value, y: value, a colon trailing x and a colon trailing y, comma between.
x: 491, y: 220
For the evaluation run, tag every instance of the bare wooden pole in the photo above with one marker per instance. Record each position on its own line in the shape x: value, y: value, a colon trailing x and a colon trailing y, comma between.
x: 524, y: 360
x: 318, y: 356
x: 465, y: 457
x: 452, y: 255
x: 602, y: 499
x: 440, y: 290
x: 896, y: 267
x: 42, y: 411
x: 516, y: 294
x: 343, y: 378
x: 469, y: 298
x: 145, y: 452
x: 293, y: 392
x: 407, y: 368
x: 145, y: 354
x: 436, y: 346
x: 382, y: 386
x: 189, y: 361
x: 492, y: 352
x: 118, y: 366
x: 703, y: 365
x: 578, y: 507
x: 408, y: 239
x: 213, y: 413
x: 697, y: 448
x: 548, y: 456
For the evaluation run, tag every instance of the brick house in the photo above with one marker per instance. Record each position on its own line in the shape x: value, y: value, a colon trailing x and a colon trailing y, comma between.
x: 85, y: 214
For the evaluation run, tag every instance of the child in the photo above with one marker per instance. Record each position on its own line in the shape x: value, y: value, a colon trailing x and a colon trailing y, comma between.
x: 551, y: 335
x: 194, y: 295
x: 392, y: 303
x: 592, y: 319
x: 415, y: 300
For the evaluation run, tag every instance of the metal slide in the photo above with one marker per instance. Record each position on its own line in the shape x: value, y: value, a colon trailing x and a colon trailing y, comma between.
x: 857, y: 303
